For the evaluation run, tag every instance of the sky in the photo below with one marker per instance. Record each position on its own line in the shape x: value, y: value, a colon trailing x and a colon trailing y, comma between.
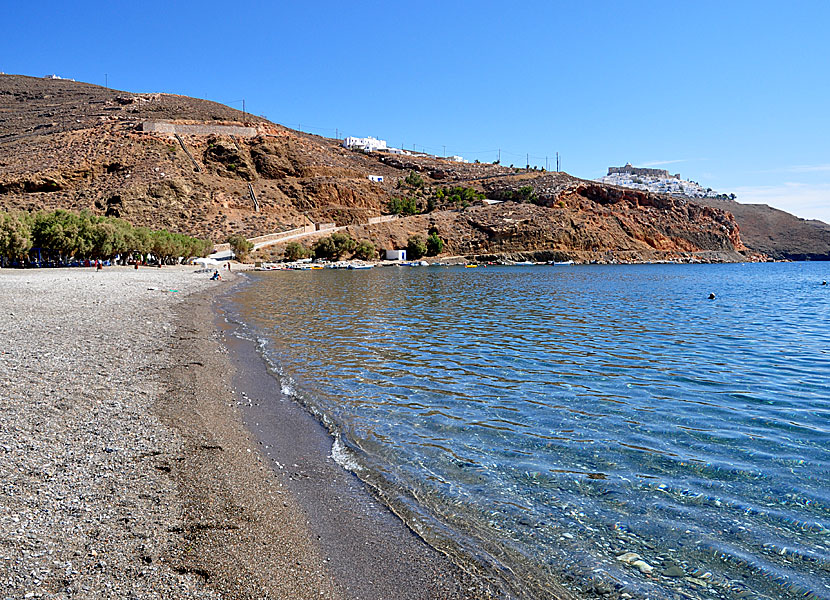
x: 734, y: 95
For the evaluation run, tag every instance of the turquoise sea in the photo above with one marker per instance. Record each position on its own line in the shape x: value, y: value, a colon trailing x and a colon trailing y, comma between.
x: 538, y: 423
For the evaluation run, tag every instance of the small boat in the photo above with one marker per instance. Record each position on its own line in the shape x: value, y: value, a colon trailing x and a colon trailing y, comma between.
x: 470, y: 266
x: 561, y: 263
x: 525, y: 263
x: 356, y: 267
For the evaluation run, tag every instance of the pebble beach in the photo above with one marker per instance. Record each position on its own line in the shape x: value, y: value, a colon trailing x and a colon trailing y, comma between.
x: 127, y: 470
x: 78, y: 438
x: 101, y: 494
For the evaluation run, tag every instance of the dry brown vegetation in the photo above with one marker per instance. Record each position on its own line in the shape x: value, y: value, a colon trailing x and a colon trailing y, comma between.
x: 79, y: 146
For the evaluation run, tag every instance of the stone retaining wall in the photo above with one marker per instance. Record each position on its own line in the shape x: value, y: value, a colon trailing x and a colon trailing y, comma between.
x: 382, y: 219
x: 282, y: 234
x: 163, y: 127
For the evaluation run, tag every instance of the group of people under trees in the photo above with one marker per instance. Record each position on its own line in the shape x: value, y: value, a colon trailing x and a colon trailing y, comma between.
x: 60, y: 236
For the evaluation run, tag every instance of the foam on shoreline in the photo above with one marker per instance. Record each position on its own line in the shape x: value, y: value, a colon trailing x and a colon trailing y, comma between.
x: 128, y: 470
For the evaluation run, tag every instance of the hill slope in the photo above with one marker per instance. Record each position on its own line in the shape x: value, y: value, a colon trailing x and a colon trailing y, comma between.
x: 777, y: 233
x: 79, y: 146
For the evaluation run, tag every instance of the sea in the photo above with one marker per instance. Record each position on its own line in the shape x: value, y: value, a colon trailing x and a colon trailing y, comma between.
x: 609, y: 429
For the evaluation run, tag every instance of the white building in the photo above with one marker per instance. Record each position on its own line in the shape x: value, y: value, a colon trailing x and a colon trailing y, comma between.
x: 395, y: 151
x: 456, y: 158
x: 396, y: 255
x: 376, y: 178
x: 369, y: 144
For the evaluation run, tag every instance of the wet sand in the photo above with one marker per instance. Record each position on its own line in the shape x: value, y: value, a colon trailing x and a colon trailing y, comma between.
x: 367, y: 550
x: 128, y: 471
x: 269, y: 513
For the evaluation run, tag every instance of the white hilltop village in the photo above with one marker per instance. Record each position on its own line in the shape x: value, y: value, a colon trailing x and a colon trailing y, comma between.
x: 659, y: 181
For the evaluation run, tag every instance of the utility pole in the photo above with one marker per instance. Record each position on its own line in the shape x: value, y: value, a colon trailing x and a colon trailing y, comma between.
x: 546, y: 163
x: 336, y: 133
x: 558, y: 169
x: 243, y: 109
x: 527, y: 163
x: 445, y: 151
x: 106, y: 81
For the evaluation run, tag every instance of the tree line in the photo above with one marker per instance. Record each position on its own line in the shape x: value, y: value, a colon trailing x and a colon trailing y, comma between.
x: 60, y: 236
x: 338, y: 245
x: 333, y: 247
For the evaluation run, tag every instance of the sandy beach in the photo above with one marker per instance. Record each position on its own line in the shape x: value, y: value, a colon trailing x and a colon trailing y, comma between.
x: 128, y: 471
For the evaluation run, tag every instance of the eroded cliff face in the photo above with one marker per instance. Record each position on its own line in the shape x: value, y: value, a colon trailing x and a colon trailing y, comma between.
x: 663, y: 222
x: 90, y: 153
x: 580, y: 230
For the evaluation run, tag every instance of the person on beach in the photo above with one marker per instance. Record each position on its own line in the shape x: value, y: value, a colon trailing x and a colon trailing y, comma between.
x: 215, y: 276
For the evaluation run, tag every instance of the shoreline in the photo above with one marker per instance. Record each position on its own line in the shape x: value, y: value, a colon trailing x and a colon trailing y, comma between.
x: 246, y: 538
x: 128, y: 471
x: 367, y: 550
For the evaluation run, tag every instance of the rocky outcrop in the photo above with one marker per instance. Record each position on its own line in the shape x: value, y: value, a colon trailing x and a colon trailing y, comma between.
x: 33, y: 184
x: 523, y: 231
x: 776, y: 233
x: 227, y: 158
x: 274, y: 159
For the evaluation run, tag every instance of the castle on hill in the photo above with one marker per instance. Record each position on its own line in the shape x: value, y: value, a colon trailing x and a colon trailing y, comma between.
x: 629, y: 170
x: 659, y: 181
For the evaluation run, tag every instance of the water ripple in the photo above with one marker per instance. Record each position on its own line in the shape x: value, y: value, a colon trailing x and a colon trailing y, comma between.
x: 615, y: 405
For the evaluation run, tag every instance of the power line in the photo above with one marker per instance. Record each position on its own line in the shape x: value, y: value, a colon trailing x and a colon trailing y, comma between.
x: 427, y: 149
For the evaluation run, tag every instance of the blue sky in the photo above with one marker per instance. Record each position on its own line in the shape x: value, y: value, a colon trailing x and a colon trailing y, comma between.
x: 733, y: 95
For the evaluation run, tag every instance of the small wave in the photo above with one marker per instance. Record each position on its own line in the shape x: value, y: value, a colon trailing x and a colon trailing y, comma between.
x: 685, y: 421
x: 344, y: 457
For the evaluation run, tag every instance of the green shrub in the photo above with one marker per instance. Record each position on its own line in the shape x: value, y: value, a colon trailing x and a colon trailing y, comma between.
x: 334, y: 246
x: 403, y: 206
x: 461, y: 197
x: 525, y: 194
x: 295, y: 251
x: 323, y: 248
x: 416, y: 247
x: 435, y: 245
x: 414, y: 180
x: 62, y: 235
x: 343, y: 244
x: 365, y: 251
x: 15, y: 236
x: 240, y: 246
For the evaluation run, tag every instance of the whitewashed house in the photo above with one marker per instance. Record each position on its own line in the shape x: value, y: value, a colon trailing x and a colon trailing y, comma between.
x: 456, y: 158
x: 376, y: 178
x: 368, y: 144
x: 396, y: 255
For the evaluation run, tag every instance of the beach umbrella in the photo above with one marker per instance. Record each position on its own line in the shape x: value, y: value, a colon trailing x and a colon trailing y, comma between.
x: 207, y: 263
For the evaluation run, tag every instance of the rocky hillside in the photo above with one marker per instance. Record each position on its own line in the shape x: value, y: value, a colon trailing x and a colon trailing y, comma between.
x: 79, y: 146
x: 776, y: 233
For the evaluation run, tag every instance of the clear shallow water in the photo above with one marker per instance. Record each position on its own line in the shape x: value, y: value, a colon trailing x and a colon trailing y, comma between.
x: 537, y: 422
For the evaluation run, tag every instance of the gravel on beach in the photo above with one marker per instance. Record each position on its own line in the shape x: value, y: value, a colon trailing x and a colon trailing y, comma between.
x: 92, y: 502
x: 127, y: 470
x: 84, y: 512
